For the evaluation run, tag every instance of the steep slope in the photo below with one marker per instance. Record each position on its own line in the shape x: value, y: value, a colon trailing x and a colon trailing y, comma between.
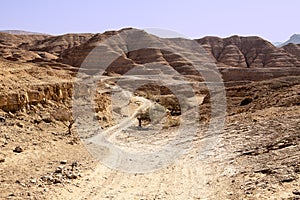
x: 74, y: 56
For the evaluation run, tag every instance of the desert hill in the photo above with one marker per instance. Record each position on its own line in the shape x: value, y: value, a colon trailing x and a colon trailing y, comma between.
x: 232, y: 55
x: 248, y: 52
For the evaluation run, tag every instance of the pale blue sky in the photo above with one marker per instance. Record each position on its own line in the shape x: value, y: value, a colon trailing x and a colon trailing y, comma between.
x: 272, y: 20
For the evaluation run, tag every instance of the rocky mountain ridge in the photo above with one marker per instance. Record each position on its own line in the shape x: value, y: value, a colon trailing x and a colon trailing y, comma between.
x: 231, y: 53
x: 294, y: 39
x: 234, y: 51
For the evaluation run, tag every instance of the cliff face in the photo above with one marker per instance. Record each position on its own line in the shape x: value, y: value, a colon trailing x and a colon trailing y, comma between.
x: 24, y: 84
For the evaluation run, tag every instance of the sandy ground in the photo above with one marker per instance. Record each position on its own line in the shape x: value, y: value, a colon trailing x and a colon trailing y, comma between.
x: 219, y: 173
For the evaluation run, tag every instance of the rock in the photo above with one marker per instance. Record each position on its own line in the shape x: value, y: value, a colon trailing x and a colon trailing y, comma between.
x: 2, y: 119
x: 37, y: 121
x: 47, y: 178
x: 74, y: 164
x: 32, y: 181
x: 59, y: 176
x: 287, y: 178
x: 59, y: 169
x: 72, y: 176
x: 246, y: 101
x: 56, y: 180
x: 47, y: 119
x: 21, y: 125
x: 11, y: 115
x: 6, y: 136
x: 296, y: 192
x: 18, y: 149
x: 2, y: 159
x: 63, y: 162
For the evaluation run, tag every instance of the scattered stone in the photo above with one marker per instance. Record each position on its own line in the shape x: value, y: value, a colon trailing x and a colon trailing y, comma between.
x: 47, y: 178
x: 6, y: 137
x: 246, y: 101
x: 2, y: 119
x: 60, y: 176
x: 72, y: 176
x: 35, y: 143
x: 264, y: 171
x: 47, y: 120
x: 296, y: 192
x: 11, y: 114
x: 74, y: 164
x: 18, y: 149
x: 32, y: 181
x: 2, y: 160
x: 63, y: 162
x: 288, y: 178
x: 23, y: 184
x: 56, y: 180
x: 37, y: 121
x: 59, y: 169
x: 54, y: 133
x: 249, y: 152
x: 21, y: 125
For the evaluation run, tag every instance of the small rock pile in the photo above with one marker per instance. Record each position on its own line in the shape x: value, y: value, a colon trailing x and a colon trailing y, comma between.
x: 63, y: 173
